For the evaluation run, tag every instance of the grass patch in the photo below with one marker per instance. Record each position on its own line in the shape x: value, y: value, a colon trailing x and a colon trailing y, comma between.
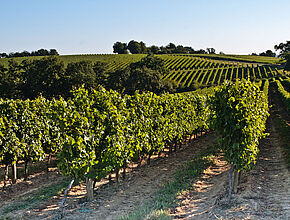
x: 283, y: 130
x: 34, y: 199
x: 165, y: 198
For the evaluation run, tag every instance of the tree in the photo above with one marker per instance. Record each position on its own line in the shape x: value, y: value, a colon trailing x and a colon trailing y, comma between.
x: 287, y: 57
x: 153, y: 49
x: 189, y: 50
x: 117, y: 79
x: 146, y: 75
x: 134, y: 47
x: 80, y: 73
x: 120, y: 48
x: 100, y: 71
x: 268, y: 53
x: 210, y: 50
x: 53, y: 52
x: 171, y: 46
x: 44, y: 76
x: 143, y: 47
x: 284, y: 48
x: 180, y: 49
x: 11, y: 80
x: 201, y: 51
x: 3, y: 55
x: 151, y: 62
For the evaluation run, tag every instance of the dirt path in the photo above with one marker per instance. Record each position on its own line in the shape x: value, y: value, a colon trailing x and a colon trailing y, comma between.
x: 264, y: 192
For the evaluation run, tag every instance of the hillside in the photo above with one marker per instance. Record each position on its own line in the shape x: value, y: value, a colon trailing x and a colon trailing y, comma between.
x: 188, y: 71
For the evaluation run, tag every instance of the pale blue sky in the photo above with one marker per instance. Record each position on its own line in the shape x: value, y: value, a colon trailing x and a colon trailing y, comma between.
x: 92, y: 26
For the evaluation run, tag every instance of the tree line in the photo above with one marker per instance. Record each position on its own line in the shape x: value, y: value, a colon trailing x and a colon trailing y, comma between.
x: 49, y: 77
x: 40, y: 52
x: 135, y: 47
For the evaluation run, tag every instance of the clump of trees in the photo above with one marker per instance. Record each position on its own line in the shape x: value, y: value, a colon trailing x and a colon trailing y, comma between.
x: 40, y: 52
x: 145, y: 75
x: 287, y: 65
x: 135, y: 47
x: 283, y: 48
x: 49, y: 77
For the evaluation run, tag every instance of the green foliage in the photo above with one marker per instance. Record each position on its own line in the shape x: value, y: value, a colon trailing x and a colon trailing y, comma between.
x: 44, y: 76
x: 287, y: 57
x: 80, y: 73
x: 145, y: 75
x: 96, y: 132
x: 120, y: 48
x: 285, y: 96
x: 284, y: 48
x: 240, y: 114
x: 11, y: 80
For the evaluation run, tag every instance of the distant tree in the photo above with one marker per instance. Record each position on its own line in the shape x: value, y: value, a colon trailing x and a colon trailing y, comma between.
x: 287, y: 57
x: 221, y: 53
x: 189, y: 50
x: 284, y: 48
x: 24, y: 54
x: 11, y: 80
x: 268, y: 53
x: 134, y: 47
x: 145, y: 75
x: 120, y: 48
x: 171, y: 46
x: 53, y: 52
x: 210, y: 50
x: 40, y: 52
x: 3, y: 55
x: 151, y: 62
x: 143, y: 47
x: 153, y: 49
x: 100, y: 73
x: 254, y: 54
x: 143, y: 79
x: 201, y: 51
x: 180, y: 49
x: 164, y: 50
x: 117, y: 79
x: 44, y: 76
x: 80, y: 73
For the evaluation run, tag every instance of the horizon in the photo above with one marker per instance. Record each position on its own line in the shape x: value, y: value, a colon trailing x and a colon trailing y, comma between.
x: 88, y: 27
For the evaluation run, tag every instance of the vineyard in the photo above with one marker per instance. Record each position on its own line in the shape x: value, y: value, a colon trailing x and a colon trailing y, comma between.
x: 98, y: 134
x: 188, y: 71
x: 185, y: 71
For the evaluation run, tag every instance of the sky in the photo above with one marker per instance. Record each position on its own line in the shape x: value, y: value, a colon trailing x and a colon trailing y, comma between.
x: 93, y: 26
